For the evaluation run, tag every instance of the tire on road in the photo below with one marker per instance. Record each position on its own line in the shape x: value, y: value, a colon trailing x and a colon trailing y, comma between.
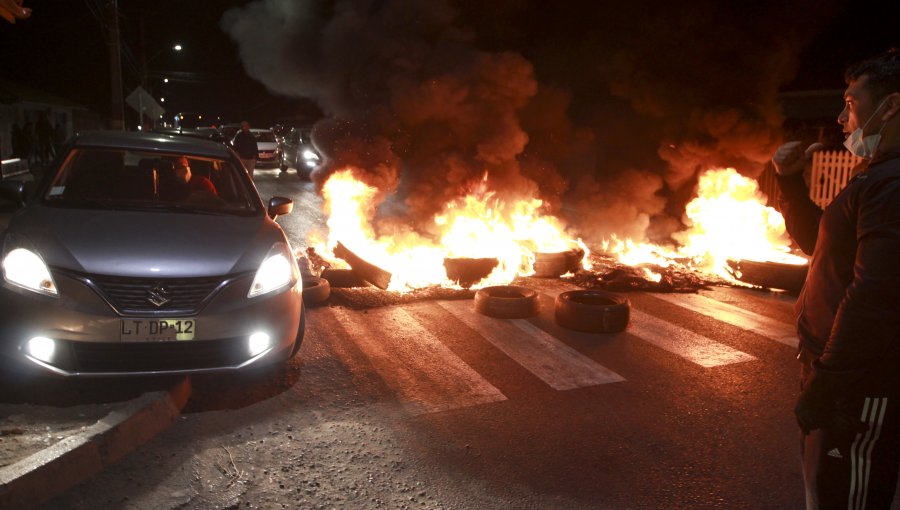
x: 315, y: 290
x: 592, y: 311
x: 343, y: 278
x: 550, y: 265
x: 506, y: 302
x: 773, y: 275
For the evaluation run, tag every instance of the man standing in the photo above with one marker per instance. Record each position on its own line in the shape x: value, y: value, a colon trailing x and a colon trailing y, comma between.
x: 244, y: 144
x: 849, y: 310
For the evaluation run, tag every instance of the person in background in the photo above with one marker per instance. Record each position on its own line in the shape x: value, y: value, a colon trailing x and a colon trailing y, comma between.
x: 244, y: 144
x: 43, y: 133
x: 849, y: 309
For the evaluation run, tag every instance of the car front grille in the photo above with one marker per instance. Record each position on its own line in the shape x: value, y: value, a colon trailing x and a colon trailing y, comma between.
x: 137, y: 295
x: 100, y: 357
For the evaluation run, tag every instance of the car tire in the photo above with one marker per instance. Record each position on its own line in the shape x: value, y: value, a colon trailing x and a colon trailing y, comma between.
x: 506, y: 302
x: 592, y: 311
x: 315, y: 290
x: 301, y: 330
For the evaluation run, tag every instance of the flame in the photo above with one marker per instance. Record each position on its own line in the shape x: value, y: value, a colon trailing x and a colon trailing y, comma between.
x: 478, y: 225
x: 727, y: 220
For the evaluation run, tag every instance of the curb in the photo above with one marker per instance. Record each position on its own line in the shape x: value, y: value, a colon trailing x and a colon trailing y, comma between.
x: 38, y: 478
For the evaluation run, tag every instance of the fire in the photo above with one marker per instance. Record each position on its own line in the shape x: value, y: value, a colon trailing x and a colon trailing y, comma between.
x: 478, y: 225
x: 727, y: 220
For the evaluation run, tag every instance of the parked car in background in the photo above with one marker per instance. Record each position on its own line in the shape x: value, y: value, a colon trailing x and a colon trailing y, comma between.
x: 205, y: 133
x: 117, y: 266
x: 298, y: 152
x: 268, y: 150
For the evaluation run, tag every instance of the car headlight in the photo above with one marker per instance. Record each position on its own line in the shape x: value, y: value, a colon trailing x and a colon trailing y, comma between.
x: 277, y: 271
x: 310, y: 155
x: 25, y: 268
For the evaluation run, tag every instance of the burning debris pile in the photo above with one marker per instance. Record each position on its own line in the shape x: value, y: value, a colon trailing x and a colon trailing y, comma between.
x: 608, y: 273
x: 479, y: 241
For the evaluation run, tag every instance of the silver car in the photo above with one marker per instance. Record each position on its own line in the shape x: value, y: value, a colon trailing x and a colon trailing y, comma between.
x: 121, y: 265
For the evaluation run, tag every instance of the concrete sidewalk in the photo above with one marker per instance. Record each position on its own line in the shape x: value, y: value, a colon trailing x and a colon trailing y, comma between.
x: 94, y: 437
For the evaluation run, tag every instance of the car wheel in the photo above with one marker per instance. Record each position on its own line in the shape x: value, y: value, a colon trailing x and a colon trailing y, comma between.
x: 301, y: 330
x: 506, y: 302
x: 592, y: 311
x: 315, y: 290
x: 283, y: 166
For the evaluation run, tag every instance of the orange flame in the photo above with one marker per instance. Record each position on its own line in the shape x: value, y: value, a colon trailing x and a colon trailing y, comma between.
x: 478, y: 225
x: 727, y: 220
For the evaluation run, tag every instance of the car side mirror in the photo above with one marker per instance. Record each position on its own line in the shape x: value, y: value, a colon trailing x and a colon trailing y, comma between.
x: 14, y: 191
x: 279, y: 206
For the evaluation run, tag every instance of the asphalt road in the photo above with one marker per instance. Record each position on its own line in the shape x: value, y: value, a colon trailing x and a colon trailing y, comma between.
x: 428, y: 404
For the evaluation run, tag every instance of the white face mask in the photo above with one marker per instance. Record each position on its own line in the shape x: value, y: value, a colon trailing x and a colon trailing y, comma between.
x: 865, y: 146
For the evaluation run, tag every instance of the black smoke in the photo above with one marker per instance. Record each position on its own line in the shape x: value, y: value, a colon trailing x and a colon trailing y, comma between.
x: 606, y: 111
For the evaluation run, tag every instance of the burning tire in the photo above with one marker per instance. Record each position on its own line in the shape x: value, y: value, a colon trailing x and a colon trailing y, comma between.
x: 555, y: 264
x: 550, y: 265
x: 343, y: 278
x: 592, y: 311
x: 315, y: 290
x: 774, y: 275
x: 506, y: 302
x: 467, y: 272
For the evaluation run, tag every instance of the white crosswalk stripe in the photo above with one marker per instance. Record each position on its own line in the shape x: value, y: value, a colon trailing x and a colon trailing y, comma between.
x: 685, y: 343
x: 424, y: 374
x: 692, y: 346
x: 554, y: 362
x: 770, y: 328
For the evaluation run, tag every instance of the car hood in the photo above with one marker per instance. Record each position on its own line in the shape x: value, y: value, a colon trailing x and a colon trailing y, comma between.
x: 146, y: 244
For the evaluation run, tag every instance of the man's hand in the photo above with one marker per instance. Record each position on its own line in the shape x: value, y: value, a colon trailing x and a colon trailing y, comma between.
x: 814, y: 410
x: 11, y: 10
x: 789, y: 159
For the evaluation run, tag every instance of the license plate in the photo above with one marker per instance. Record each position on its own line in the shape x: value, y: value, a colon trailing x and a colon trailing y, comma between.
x: 157, y: 330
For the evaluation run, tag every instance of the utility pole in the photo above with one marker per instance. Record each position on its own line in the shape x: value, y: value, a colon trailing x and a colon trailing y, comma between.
x: 117, y: 114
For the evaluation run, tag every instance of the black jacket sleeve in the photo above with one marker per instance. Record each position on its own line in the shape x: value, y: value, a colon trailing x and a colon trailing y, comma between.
x: 801, y: 214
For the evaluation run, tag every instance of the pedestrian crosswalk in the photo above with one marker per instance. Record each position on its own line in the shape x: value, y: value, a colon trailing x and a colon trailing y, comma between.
x: 410, y: 354
x: 555, y: 363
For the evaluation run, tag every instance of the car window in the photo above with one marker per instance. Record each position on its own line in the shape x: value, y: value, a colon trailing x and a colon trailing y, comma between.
x: 264, y: 136
x: 124, y: 179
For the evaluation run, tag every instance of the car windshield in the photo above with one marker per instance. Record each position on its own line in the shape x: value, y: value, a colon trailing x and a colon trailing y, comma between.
x: 125, y: 179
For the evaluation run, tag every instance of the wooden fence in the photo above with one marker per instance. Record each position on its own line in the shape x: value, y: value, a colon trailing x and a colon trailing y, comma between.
x: 829, y: 174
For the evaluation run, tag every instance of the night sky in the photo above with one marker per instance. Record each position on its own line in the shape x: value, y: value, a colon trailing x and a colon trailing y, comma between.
x: 566, y: 100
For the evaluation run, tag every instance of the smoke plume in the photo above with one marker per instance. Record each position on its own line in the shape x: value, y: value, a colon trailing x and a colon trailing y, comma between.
x: 607, y: 112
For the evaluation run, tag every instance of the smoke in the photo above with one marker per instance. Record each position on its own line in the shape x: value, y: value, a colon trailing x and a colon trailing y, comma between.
x: 607, y: 114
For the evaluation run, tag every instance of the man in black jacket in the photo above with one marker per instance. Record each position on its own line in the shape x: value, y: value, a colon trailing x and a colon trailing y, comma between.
x: 244, y: 144
x: 849, y: 310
